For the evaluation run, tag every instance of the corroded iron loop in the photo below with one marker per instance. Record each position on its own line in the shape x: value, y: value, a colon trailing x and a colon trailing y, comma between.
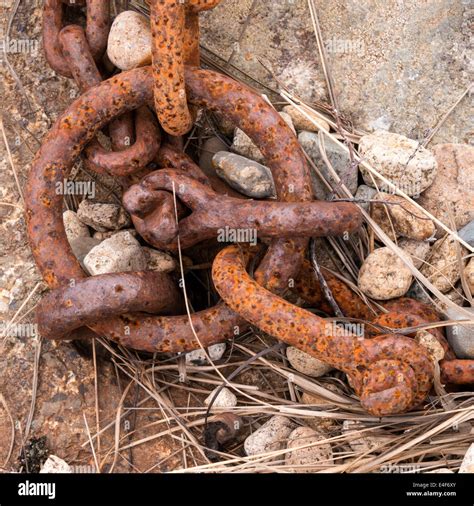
x: 213, y: 212
x: 391, y: 374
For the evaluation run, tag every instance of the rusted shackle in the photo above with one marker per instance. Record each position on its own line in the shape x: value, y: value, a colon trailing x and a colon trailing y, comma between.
x: 212, y: 212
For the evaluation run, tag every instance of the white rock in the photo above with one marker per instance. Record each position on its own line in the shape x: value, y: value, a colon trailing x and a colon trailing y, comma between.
x: 74, y: 226
x: 103, y: 217
x: 301, y: 122
x: 197, y: 357
x: 271, y: 436
x: 55, y: 465
x: 105, y: 235
x: 418, y: 250
x: 305, y: 363
x: 243, y: 144
x: 451, y: 196
x: 429, y: 341
x: 383, y: 275
x: 442, y: 266
x: 119, y: 253
x: 225, y: 399
x: 312, y: 454
x: 365, y: 441
x: 159, y: 260
x: 129, y: 44
x: 403, y: 161
x: 401, y: 218
x: 467, y: 465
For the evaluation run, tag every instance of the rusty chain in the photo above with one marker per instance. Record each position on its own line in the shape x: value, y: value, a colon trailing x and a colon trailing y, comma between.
x: 390, y: 372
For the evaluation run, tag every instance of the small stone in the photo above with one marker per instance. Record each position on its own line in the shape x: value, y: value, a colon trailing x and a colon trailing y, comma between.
x: 467, y: 464
x: 467, y: 233
x: 243, y: 144
x: 82, y: 245
x: 418, y: 250
x: 454, y: 295
x: 197, y: 357
x: 301, y: 122
x: 461, y: 337
x: 452, y: 192
x: 338, y: 158
x: 74, y: 226
x: 366, y: 441
x: 103, y: 217
x: 469, y: 273
x: 159, y: 261
x: 311, y: 455
x: 442, y: 267
x: 130, y: 41
x: 384, y: 276
x: 119, y: 253
x: 403, y: 216
x: 209, y: 148
x: 246, y: 176
x: 55, y: 465
x: 225, y: 399
x: 105, y: 235
x: 429, y: 341
x: 366, y: 193
x: 271, y: 436
x: 409, y: 166
x: 305, y: 363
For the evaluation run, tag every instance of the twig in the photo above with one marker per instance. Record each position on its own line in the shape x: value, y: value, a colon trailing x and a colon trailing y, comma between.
x: 327, y: 292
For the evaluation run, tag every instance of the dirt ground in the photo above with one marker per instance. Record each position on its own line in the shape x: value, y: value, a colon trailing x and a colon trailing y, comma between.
x: 406, y: 64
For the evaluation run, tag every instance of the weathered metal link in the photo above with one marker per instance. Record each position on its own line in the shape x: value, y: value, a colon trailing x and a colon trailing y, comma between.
x: 175, y: 33
x: 97, y: 31
x: 167, y: 27
x: 391, y: 374
x: 77, y: 54
x: 95, y: 298
x: 457, y: 371
x: 212, y: 212
x: 97, y: 26
x: 52, y: 25
x: 132, y: 159
x: 80, y: 123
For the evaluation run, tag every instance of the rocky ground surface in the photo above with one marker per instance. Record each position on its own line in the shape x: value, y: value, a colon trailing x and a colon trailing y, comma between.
x: 389, y: 75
